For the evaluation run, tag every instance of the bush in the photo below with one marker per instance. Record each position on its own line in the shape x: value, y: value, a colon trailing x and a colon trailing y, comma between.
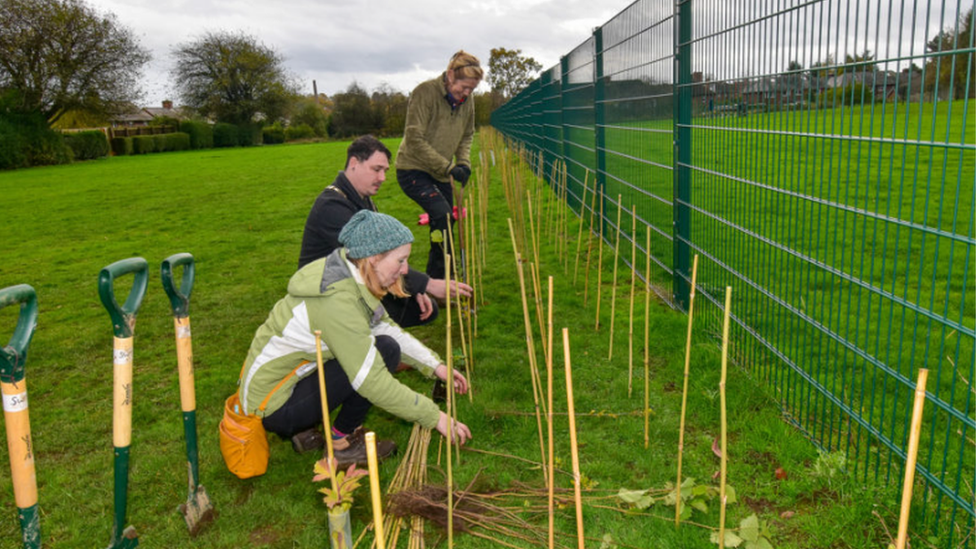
x: 143, y: 144
x: 301, y: 131
x: 224, y: 135
x: 87, y: 145
x: 273, y: 134
x: 178, y: 141
x: 25, y: 138
x: 121, y: 146
x: 312, y: 115
x: 160, y: 142
x: 249, y: 135
x: 201, y: 134
x: 165, y: 121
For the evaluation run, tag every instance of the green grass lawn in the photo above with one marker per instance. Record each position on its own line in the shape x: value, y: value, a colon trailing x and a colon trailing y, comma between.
x: 240, y: 212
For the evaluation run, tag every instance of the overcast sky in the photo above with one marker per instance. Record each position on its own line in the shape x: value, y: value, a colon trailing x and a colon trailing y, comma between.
x: 399, y: 42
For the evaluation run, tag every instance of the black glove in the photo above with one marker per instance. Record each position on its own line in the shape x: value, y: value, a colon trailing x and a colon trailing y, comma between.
x: 461, y: 173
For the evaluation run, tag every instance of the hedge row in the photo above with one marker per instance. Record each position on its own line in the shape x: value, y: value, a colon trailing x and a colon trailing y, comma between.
x: 87, y: 145
x: 26, y: 140
x: 145, y: 144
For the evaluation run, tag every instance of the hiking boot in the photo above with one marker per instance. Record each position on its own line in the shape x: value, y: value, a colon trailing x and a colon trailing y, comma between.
x: 306, y: 441
x: 439, y: 392
x: 355, y: 452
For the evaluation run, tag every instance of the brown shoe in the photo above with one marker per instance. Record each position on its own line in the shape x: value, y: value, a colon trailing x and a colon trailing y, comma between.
x: 356, y: 451
x: 306, y: 441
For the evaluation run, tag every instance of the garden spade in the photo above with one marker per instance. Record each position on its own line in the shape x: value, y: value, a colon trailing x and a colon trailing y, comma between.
x: 198, y: 510
x: 123, y: 323
x: 13, y: 358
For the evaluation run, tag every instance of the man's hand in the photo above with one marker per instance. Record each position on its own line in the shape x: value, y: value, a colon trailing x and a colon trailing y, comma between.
x: 461, y: 431
x: 437, y: 287
x: 460, y: 383
x: 461, y: 173
x: 426, y: 307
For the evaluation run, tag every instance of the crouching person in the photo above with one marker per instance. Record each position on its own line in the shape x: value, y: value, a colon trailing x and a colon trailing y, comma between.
x: 340, y: 295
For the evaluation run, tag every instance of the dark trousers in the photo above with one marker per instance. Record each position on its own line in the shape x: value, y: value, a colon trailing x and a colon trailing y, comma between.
x: 437, y: 199
x: 406, y: 312
x: 303, y: 409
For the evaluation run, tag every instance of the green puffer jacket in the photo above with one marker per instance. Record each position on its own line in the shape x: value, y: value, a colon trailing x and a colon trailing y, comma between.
x: 328, y: 295
x: 436, y: 137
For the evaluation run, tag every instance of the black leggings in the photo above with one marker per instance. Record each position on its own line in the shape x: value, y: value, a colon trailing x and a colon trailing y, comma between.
x: 437, y: 199
x: 303, y: 409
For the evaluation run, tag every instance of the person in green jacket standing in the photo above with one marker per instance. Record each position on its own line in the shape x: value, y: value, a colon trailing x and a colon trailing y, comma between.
x: 437, y: 146
x: 361, y: 345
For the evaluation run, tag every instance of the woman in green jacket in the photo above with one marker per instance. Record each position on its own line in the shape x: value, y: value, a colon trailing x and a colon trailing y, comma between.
x: 361, y: 346
x: 437, y: 146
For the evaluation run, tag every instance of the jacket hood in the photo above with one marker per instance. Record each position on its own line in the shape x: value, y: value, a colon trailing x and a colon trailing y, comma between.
x: 314, y: 279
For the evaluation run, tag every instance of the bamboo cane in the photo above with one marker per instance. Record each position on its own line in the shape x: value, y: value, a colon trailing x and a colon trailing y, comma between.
x: 913, y: 438
x: 633, y: 289
x: 531, y: 348
x: 552, y: 456
x: 450, y: 410
x: 326, y: 422
x: 684, y: 390
x: 539, y: 314
x: 616, y: 261
x: 723, y: 500
x: 599, y: 263
x: 572, y: 441
x: 579, y: 236
x: 374, y: 488
x: 647, y: 334
x: 589, y: 245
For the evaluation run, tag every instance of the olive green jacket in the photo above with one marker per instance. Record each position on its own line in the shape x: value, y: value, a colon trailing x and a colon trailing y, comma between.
x: 328, y: 295
x: 436, y: 137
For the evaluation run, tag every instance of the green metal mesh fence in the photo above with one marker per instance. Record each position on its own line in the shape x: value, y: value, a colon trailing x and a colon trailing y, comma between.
x: 820, y: 158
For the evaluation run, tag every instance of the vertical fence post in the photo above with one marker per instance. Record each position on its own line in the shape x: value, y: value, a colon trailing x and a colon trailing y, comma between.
x: 599, y: 132
x: 681, y: 92
x: 563, y: 84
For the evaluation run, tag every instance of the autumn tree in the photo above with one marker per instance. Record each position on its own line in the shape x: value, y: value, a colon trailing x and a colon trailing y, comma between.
x: 948, y: 72
x: 510, y: 72
x: 232, y: 76
x: 58, y: 56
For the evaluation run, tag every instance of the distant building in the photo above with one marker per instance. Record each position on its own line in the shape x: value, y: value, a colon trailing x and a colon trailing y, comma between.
x: 137, y: 117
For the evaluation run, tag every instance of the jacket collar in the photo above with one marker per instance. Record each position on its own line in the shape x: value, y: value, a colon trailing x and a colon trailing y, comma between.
x: 344, y: 186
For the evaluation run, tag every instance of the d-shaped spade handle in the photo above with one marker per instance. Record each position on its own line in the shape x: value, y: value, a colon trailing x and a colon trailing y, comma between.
x: 124, y: 317
x: 179, y: 298
x: 13, y: 357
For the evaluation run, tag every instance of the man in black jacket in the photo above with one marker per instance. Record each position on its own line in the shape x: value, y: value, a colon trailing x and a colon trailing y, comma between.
x: 367, y: 161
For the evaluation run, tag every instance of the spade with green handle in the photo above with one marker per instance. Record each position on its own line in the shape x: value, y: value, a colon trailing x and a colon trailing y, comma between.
x: 198, y: 509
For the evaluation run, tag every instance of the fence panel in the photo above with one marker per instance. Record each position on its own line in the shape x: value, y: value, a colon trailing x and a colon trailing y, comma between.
x: 819, y: 157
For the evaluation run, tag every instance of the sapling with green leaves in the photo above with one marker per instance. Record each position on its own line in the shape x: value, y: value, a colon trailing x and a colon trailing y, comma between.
x: 339, y: 494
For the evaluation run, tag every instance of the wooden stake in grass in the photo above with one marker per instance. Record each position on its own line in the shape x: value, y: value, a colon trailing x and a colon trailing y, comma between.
x: 722, y: 498
x: 684, y: 390
x: 530, y: 343
x: 552, y: 456
x: 572, y: 441
x: 450, y: 406
x: 374, y: 489
x: 589, y: 244
x: 913, y: 437
x: 633, y: 289
x: 326, y: 423
x: 579, y: 236
x: 647, y: 339
x: 599, y: 263
x: 616, y: 260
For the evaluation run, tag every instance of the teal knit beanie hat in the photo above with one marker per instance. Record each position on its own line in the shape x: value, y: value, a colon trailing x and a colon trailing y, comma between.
x: 370, y: 233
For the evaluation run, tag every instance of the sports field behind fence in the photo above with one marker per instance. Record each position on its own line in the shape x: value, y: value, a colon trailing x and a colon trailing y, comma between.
x: 819, y: 158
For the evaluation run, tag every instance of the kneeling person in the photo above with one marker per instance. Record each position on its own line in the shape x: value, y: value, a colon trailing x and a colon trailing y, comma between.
x: 361, y: 346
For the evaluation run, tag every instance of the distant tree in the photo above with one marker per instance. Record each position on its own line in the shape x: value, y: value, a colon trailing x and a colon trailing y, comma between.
x: 859, y: 58
x: 389, y: 109
x: 510, y: 72
x: 62, y: 55
x: 823, y: 69
x: 231, y: 76
x: 352, y: 113
x: 948, y: 72
x: 794, y: 66
x: 308, y: 112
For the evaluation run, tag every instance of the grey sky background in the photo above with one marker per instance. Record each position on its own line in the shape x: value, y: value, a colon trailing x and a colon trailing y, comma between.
x: 397, y: 42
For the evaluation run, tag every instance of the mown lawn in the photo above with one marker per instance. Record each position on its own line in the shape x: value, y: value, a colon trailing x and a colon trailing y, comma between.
x: 240, y: 212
